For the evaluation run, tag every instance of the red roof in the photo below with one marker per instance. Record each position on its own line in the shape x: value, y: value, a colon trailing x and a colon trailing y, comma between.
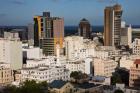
x: 137, y: 61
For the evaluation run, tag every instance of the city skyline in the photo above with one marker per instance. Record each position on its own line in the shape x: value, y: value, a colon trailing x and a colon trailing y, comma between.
x: 21, y: 12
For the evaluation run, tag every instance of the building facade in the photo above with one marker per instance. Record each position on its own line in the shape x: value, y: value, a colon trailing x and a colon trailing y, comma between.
x: 104, y: 67
x: 126, y: 62
x: 134, y: 78
x: 112, y: 25
x: 84, y: 66
x: 45, y: 73
x: 47, y: 32
x: 11, y: 52
x: 31, y: 34
x: 136, y: 46
x: 126, y: 36
x: 6, y: 76
x: 84, y: 28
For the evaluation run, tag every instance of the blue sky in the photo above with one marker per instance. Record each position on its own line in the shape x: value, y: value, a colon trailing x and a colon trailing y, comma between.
x: 21, y: 12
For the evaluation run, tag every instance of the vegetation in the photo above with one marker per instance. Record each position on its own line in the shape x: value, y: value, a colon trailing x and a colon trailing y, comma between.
x: 120, y: 76
x: 118, y: 91
x: 116, y: 78
x: 77, y: 75
x: 27, y: 87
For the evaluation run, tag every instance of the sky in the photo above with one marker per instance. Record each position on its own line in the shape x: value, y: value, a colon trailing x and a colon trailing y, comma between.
x: 21, y: 12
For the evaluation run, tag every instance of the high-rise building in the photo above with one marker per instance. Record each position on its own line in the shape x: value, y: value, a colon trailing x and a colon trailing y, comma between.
x: 126, y: 36
x: 30, y: 34
x: 112, y: 25
x: 11, y: 50
x: 84, y: 29
x: 47, y: 32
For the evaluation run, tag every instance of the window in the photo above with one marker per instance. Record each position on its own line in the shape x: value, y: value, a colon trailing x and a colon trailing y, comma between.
x: 136, y: 65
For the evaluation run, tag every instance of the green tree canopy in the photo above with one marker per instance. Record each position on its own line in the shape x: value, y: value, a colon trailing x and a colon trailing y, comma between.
x: 118, y: 91
x: 27, y: 87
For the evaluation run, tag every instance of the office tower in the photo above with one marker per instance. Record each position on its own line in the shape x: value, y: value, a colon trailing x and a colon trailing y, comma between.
x: 47, y: 32
x: 134, y: 78
x: 112, y: 25
x: 84, y: 28
x: 30, y: 34
x: 11, y: 50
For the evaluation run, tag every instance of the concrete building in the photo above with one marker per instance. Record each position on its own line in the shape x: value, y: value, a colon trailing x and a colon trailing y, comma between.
x: 104, y: 67
x: 11, y: 52
x: 31, y: 34
x: 48, y: 32
x: 126, y: 62
x: 85, y: 66
x: 105, y: 52
x: 126, y: 36
x: 77, y: 47
x: 49, y: 60
x: 45, y: 73
x: 112, y: 25
x: 136, y: 46
x: 6, y: 76
x: 84, y: 29
x: 134, y: 78
x: 32, y: 52
x: 72, y: 43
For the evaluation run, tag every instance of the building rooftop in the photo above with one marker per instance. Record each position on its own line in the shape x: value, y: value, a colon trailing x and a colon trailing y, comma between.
x: 86, y: 85
x: 99, y: 78
x: 137, y: 61
x: 57, y: 84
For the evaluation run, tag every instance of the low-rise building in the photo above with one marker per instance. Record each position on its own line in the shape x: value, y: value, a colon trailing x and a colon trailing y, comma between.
x: 6, y: 76
x: 85, y: 66
x: 134, y: 78
x: 59, y: 86
x: 49, y: 60
x: 126, y: 62
x: 104, y: 67
x: 32, y: 52
x: 45, y: 73
x: 136, y: 46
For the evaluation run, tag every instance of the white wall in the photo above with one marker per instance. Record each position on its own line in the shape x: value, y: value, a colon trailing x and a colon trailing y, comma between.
x: 11, y: 52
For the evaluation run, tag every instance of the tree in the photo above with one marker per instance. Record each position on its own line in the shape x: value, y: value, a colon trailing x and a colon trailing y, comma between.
x: 118, y: 91
x: 11, y: 89
x: 30, y: 87
x: 43, y: 84
x: 27, y: 87
x: 116, y: 78
x: 75, y: 74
